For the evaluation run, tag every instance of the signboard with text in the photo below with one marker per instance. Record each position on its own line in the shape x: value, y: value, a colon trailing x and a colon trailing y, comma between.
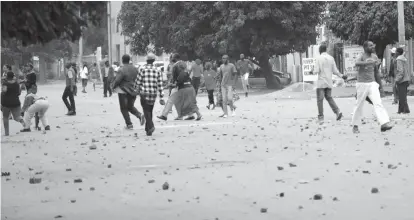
x: 351, y: 53
x: 308, y: 64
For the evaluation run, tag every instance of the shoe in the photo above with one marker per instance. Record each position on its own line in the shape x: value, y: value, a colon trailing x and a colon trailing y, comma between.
x: 178, y: 119
x: 25, y: 130
x: 320, y: 119
x: 386, y: 127
x: 149, y: 133
x: 129, y: 127
x: 208, y: 107
x: 233, y: 113
x: 105, y: 96
x: 38, y: 128
x: 395, y: 102
x: 71, y: 113
x: 83, y: 91
x: 199, y: 118
x: 162, y: 117
x: 190, y: 118
x: 339, y: 116
x: 141, y: 119
x: 355, y: 129
x: 47, y: 128
x: 223, y: 116
x: 247, y: 94
x: 214, y: 106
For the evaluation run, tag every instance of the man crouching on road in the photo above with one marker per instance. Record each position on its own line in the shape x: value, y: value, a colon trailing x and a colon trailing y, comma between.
x: 35, y: 104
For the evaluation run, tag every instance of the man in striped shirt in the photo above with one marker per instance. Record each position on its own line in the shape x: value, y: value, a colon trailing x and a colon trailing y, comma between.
x: 149, y: 82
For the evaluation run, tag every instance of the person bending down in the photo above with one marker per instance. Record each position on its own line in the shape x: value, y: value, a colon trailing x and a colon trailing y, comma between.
x: 34, y: 104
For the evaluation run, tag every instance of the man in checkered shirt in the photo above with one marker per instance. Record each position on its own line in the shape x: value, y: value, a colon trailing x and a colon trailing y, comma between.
x: 149, y: 82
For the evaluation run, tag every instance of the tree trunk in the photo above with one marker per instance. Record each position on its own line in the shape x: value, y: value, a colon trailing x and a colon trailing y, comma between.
x: 272, y: 82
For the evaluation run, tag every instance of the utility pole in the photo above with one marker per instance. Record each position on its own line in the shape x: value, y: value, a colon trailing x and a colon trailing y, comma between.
x: 80, y: 45
x: 408, y: 48
x: 401, y: 25
x: 109, y: 34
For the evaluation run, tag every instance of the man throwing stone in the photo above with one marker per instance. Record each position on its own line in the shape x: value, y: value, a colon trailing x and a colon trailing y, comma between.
x: 325, y: 66
x: 368, y: 87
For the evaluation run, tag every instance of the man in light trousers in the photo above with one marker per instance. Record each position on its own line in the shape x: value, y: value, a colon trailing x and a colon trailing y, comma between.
x: 368, y: 87
x: 229, y: 76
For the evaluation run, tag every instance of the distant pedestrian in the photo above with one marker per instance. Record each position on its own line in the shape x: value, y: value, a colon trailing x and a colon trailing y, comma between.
x: 244, y: 66
x: 34, y: 104
x: 196, y: 74
x: 108, y: 78
x: 84, y: 74
x: 69, y: 90
x: 228, y: 73
x: 391, y: 74
x: 402, y: 79
x: 124, y: 85
x: 6, y: 68
x: 30, y: 81
x: 75, y: 71
x: 10, y: 102
x: 95, y: 76
x: 149, y: 83
x: 368, y: 87
x: 209, y: 80
x: 325, y: 67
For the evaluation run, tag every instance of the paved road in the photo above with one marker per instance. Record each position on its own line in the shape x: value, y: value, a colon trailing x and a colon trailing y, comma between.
x: 271, y: 156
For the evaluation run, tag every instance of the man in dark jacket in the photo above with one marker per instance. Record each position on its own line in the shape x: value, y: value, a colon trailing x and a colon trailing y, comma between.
x: 124, y: 84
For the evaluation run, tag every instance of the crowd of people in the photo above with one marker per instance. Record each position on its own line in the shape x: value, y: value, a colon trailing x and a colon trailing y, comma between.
x: 184, y: 81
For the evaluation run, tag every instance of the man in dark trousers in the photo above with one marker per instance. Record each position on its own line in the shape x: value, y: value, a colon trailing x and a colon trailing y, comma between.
x: 149, y: 83
x: 108, y: 76
x: 124, y: 85
x: 69, y: 90
x: 391, y: 74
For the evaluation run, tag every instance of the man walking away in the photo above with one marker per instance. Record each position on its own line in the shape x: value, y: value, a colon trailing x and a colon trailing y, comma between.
x: 229, y: 74
x: 196, y: 72
x: 10, y: 102
x: 94, y: 75
x: 368, y: 87
x: 84, y: 74
x: 393, y: 67
x: 325, y: 66
x: 244, y: 66
x: 172, y: 99
x: 107, y: 79
x: 69, y: 89
x: 149, y: 82
x: 402, y: 79
x: 124, y: 84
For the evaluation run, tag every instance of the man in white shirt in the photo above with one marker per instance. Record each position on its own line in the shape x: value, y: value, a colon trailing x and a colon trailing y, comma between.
x: 325, y: 66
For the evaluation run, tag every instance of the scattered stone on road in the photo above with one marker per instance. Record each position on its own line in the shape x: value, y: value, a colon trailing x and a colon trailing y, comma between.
x: 165, y: 186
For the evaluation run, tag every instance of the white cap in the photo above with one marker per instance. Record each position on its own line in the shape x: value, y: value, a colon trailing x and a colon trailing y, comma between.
x: 393, y: 50
x: 151, y: 56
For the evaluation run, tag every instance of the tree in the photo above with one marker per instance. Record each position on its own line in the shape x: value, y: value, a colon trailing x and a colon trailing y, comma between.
x: 376, y: 21
x: 211, y: 29
x: 41, y: 22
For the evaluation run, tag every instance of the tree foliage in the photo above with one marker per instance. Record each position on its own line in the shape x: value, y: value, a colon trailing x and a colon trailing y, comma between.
x: 375, y: 21
x: 211, y: 29
x: 41, y: 22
